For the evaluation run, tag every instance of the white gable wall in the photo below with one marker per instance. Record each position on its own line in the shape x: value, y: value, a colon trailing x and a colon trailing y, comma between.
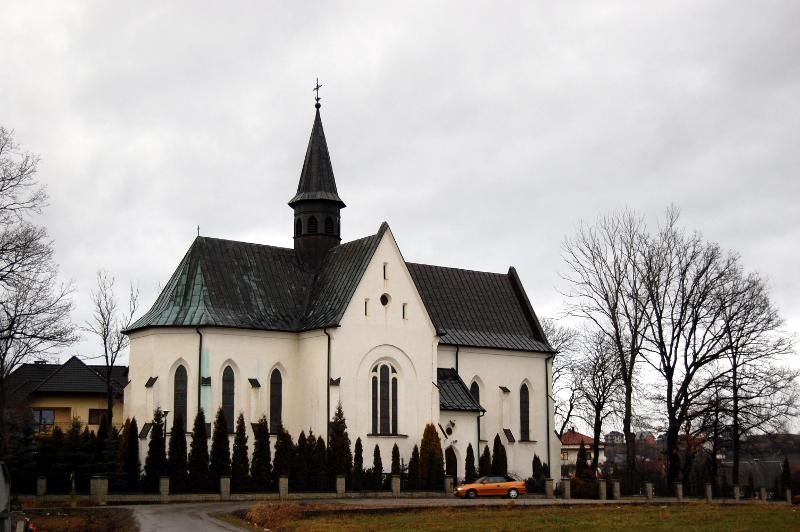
x: 382, y: 333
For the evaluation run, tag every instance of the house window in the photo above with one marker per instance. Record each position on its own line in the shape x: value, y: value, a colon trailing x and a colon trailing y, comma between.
x: 96, y: 415
x: 228, y: 388
x: 384, y: 399
x: 565, y: 456
x: 275, y: 400
x: 475, y: 390
x: 524, y: 413
x: 328, y: 225
x: 180, y: 394
x: 43, y: 418
x: 312, y: 224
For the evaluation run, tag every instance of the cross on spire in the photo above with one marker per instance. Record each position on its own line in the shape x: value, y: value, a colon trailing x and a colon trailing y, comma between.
x: 317, y: 98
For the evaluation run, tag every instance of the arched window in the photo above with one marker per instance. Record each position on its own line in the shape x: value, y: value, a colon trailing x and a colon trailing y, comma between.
x: 179, y: 394
x: 312, y: 224
x: 275, y: 400
x: 475, y: 390
x: 524, y: 413
x: 384, y: 399
x: 328, y: 225
x: 228, y: 388
x: 298, y: 227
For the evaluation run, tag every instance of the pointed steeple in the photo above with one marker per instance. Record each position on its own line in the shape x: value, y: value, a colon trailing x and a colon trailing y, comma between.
x: 317, y: 204
x: 316, y: 179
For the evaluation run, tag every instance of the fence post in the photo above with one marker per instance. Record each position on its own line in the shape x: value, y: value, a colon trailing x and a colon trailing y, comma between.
x: 340, y: 486
x: 788, y: 496
x: 41, y: 487
x: 736, y: 492
x: 601, y: 489
x: 762, y: 493
x: 615, y: 489
x: 679, y: 491
x: 163, y: 488
x: 708, y: 491
x: 448, y: 486
x: 648, y: 491
x: 225, y: 487
x: 98, y: 488
x: 565, y: 488
x: 395, y: 486
x: 548, y: 489
x: 283, y: 486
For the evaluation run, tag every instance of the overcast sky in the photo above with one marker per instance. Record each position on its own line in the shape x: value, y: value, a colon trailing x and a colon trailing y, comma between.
x: 481, y: 132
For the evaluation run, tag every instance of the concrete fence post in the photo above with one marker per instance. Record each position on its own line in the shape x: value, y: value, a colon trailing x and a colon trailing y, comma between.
x: 679, y: 491
x: 762, y: 493
x: 225, y: 487
x: 548, y: 489
x: 709, y: 493
x: 163, y: 488
x: 565, y: 488
x: 395, y: 486
x: 98, y: 488
x: 448, y: 486
x: 615, y: 490
x: 788, y: 496
x: 601, y: 489
x: 341, y: 490
x: 41, y: 487
x: 736, y: 492
x: 283, y: 486
x: 648, y: 491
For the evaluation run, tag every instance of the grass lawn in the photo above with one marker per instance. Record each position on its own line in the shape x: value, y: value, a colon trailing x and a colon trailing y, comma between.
x: 651, y: 518
x: 83, y: 520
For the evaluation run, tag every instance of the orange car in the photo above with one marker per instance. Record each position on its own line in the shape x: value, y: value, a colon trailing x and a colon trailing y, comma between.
x: 502, y: 486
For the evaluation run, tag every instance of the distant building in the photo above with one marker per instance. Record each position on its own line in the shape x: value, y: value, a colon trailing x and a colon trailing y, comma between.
x: 571, y: 444
x: 57, y: 393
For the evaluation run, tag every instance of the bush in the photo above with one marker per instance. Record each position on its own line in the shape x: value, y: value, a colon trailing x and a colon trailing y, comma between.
x: 261, y: 465
x: 240, y: 466
x: 198, y: 454
x: 270, y: 516
x: 220, y: 463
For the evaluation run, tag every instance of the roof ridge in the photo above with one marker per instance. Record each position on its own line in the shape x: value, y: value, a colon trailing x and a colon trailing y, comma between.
x: 61, y: 368
x: 459, y: 269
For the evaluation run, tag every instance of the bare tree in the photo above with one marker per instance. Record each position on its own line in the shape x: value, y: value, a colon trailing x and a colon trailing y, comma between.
x: 606, y: 289
x: 565, y: 341
x: 599, y: 384
x: 108, y: 323
x: 34, y: 306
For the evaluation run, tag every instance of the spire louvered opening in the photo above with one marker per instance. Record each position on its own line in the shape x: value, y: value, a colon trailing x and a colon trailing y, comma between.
x: 328, y: 225
x: 298, y: 227
x: 313, y: 224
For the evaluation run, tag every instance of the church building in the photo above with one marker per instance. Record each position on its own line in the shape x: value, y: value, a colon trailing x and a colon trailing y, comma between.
x: 290, y: 333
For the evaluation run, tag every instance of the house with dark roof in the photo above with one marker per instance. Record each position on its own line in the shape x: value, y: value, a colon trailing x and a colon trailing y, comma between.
x: 57, y: 393
x: 290, y: 333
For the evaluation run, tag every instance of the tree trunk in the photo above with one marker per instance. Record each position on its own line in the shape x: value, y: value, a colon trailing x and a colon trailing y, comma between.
x: 735, y: 429
x: 598, y: 424
x: 630, y: 437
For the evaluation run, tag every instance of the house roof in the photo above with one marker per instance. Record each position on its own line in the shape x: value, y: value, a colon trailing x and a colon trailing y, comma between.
x: 479, y: 309
x: 316, y: 179
x: 74, y: 377
x: 453, y: 393
x: 225, y: 283
x: 571, y: 437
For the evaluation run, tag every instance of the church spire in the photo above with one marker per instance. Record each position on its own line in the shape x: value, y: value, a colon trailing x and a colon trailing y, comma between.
x: 317, y: 204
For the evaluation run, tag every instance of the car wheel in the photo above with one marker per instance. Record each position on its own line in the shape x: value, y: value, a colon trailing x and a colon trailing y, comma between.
x: 512, y: 493
x: 472, y: 494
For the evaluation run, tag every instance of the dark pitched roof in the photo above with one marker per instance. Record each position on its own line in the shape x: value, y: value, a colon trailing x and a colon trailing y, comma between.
x: 479, y: 309
x: 453, y: 393
x: 74, y: 377
x: 250, y: 286
x: 316, y: 179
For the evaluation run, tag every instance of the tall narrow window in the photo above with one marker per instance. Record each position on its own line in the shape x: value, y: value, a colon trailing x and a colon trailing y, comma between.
x: 275, y: 401
x: 328, y: 225
x: 475, y: 390
x: 384, y: 399
x: 524, y: 413
x: 298, y: 227
x: 312, y: 224
x: 180, y: 393
x: 228, y: 388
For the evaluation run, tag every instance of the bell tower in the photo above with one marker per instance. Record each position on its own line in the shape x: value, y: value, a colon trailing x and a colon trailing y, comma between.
x: 317, y: 204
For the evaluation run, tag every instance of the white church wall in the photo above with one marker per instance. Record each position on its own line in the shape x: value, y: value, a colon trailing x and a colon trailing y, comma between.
x: 464, y: 427
x: 382, y: 333
x: 493, y: 368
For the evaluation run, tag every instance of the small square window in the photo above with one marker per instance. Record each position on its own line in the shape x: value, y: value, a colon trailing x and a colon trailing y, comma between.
x: 95, y: 415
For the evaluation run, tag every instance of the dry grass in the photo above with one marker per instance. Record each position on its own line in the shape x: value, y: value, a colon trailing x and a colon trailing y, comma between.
x: 273, y: 515
x: 80, y: 520
x: 511, y: 518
